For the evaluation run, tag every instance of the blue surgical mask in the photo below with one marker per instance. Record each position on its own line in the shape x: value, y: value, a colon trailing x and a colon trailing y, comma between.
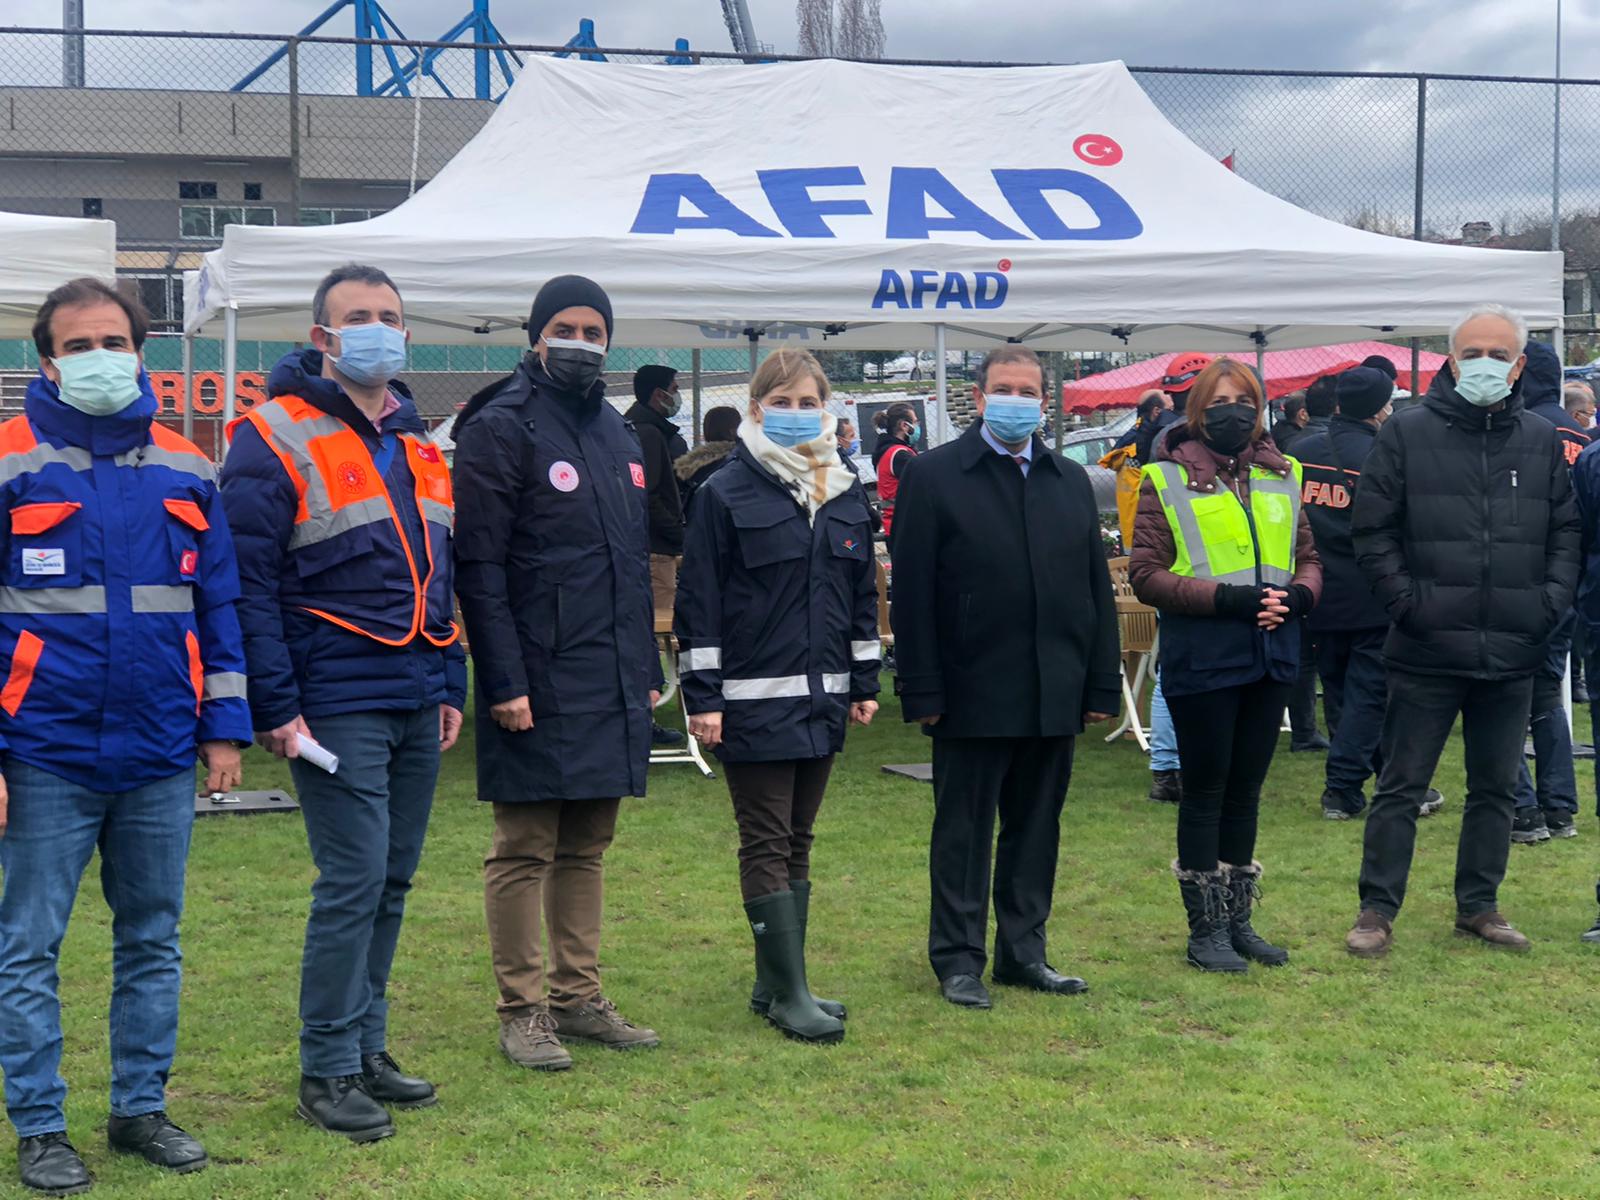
x: 792, y: 426
x: 854, y: 447
x: 370, y: 355
x: 1482, y: 381
x: 913, y: 432
x: 99, y: 382
x: 1012, y: 418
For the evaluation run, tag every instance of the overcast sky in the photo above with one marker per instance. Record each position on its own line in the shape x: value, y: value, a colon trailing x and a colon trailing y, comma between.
x: 1492, y: 36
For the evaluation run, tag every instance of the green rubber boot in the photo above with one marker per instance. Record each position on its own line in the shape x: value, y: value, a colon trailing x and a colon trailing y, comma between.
x: 780, y: 965
x: 760, y: 997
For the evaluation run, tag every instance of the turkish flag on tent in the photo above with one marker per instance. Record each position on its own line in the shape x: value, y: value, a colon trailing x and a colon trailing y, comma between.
x: 1228, y: 162
x: 1286, y: 371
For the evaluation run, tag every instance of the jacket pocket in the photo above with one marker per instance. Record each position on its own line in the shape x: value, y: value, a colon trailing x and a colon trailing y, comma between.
x: 24, y: 662
x: 185, y: 523
x: 848, y: 538
x: 46, y: 545
x: 769, y: 533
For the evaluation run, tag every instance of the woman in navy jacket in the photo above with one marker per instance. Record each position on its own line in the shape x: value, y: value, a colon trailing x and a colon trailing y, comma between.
x: 777, y: 619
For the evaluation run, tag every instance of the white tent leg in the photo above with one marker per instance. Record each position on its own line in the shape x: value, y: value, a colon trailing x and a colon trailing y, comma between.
x: 694, y: 361
x: 188, y: 386
x: 939, y: 383
x: 230, y: 361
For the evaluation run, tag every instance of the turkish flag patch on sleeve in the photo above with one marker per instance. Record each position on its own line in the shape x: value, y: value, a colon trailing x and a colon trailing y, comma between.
x: 429, y: 454
x: 637, y: 471
x: 188, y: 562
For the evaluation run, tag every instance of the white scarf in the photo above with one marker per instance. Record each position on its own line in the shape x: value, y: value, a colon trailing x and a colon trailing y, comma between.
x: 811, y: 470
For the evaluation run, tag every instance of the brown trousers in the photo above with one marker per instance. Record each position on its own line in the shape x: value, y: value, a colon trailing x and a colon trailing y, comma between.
x: 664, y: 588
x: 546, y: 856
x: 775, y: 804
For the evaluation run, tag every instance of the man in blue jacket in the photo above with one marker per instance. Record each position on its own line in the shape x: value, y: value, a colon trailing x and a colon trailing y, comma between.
x: 122, y: 661
x: 343, y: 516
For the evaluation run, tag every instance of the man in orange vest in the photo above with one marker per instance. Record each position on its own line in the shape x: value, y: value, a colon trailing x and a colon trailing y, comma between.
x: 342, y: 513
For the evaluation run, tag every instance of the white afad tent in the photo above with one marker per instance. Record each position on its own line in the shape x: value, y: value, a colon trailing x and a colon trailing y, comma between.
x: 842, y: 205
x: 39, y: 254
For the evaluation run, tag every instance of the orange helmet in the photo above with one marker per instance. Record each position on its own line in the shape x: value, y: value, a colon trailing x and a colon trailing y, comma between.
x: 1181, y: 371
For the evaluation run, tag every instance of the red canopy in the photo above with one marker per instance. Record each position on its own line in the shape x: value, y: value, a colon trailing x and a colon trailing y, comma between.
x: 1286, y: 370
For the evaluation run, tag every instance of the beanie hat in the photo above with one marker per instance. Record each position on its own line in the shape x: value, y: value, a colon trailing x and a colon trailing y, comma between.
x: 567, y: 291
x: 650, y: 377
x: 1362, y: 392
x: 1379, y: 363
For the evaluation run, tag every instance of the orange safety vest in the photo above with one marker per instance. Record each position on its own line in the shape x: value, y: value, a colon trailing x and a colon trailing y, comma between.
x: 340, y: 490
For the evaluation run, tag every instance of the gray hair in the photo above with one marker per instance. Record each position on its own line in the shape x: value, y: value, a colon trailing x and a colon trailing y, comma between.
x: 349, y: 273
x: 1576, y: 392
x: 1513, y: 319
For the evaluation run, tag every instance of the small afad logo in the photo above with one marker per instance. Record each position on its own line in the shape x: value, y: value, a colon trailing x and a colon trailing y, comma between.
x: 352, y: 477
x: 850, y: 543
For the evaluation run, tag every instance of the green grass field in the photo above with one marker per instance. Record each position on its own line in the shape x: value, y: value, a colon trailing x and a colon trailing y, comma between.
x: 1445, y: 1070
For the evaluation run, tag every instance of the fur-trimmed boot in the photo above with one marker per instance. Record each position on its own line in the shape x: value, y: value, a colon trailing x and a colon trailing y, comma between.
x: 1244, y: 887
x: 1205, y: 899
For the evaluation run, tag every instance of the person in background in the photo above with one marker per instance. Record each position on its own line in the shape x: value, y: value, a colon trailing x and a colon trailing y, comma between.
x: 1466, y: 528
x: 1578, y: 399
x: 781, y: 530
x: 1379, y: 362
x: 123, y: 663
x: 1228, y: 587
x: 656, y: 402
x: 1006, y: 633
x: 1293, y: 422
x: 719, y: 429
x: 898, y: 432
x: 1586, y: 491
x: 1349, y: 623
x: 1181, y: 372
x: 1549, y: 809
x: 342, y: 514
x: 1151, y: 402
x: 1121, y: 461
x: 849, y: 443
x: 553, y: 575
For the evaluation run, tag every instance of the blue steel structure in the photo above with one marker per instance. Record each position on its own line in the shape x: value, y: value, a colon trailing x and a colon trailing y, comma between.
x: 491, y: 54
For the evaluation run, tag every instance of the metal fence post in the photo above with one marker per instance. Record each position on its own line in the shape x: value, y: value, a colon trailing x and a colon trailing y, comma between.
x: 1416, y: 211
x: 694, y: 374
x: 294, y: 131
x: 188, y: 385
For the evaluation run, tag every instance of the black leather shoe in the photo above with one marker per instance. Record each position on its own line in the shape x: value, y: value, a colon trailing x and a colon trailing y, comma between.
x: 1311, y: 743
x: 966, y: 990
x: 387, y: 1084
x: 1041, y: 977
x: 666, y: 738
x: 158, y: 1141
x: 48, y: 1163
x: 341, y: 1105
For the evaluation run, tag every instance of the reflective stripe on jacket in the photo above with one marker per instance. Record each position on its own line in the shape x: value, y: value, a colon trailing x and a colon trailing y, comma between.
x: 1218, y: 538
x: 120, y: 642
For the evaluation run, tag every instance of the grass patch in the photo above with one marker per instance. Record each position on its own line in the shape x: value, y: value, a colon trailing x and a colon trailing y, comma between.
x: 1444, y: 1070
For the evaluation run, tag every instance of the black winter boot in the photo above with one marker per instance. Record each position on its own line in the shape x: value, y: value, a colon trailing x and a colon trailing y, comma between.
x: 760, y: 997
x: 1166, y: 787
x: 1205, y: 899
x: 781, y: 968
x: 1244, y: 887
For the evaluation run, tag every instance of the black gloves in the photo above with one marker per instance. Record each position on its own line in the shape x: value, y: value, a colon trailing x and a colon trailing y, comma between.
x: 1300, y: 601
x: 1238, y: 601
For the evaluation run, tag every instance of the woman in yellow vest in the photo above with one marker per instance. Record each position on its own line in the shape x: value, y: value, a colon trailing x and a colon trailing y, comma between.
x: 1221, y: 548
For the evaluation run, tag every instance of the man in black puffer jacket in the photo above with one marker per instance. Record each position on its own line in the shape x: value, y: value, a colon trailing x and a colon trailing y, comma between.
x: 1466, y: 527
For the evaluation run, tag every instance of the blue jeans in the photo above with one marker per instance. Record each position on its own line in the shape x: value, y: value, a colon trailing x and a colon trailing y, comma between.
x: 1163, y: 737
x: 1357, y: 686
x: 143, y: 838
x: 365, y: 826
x: 1557, y: 791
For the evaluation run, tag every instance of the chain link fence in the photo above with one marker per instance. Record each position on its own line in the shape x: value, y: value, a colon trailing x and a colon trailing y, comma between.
x: 175, y: 136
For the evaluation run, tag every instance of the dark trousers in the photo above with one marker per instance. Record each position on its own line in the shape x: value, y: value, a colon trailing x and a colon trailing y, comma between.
x: 1226, y: 739
x: 1024, y: 780
x: 1557, y: 791
x: 365, y: 825
x: 1355, y: 687
x: 776, y: 805
x: 1422, y: 711
x: 1302, y: 698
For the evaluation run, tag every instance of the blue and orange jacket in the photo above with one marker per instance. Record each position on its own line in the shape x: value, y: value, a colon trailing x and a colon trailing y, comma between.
x: 117, y: 620
x: 344, y: 553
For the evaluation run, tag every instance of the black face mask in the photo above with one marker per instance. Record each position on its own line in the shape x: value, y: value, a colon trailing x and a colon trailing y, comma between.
x: 1229, y: 427
x: 573, y: 369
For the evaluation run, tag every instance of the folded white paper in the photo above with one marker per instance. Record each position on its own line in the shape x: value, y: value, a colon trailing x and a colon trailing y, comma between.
x: 315, y: 754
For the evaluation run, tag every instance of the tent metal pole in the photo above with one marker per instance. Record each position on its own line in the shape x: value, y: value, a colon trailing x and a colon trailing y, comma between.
x: 230, y: 361
x: 939, y: 382
x: 694, y: 375
x: 1058, y: 402
x: 755, y: 342
x: 188, y: 386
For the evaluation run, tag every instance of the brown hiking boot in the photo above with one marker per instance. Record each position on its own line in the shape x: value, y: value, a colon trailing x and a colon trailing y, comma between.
x: 1371, y: 935
x: 1494, y: 929
x: 529, y: 1039
x: 599, y: 1022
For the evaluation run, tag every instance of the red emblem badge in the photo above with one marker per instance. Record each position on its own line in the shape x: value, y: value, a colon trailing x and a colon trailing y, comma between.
x: 638, y: 474
x: 429, y: 454
x: 352, y: 477
x: 188, y: 561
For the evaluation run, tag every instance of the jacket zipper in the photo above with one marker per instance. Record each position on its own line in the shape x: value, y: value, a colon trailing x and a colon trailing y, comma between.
x: 1483, y: 587
x: 1250, y: 521
x: 1513, y: 497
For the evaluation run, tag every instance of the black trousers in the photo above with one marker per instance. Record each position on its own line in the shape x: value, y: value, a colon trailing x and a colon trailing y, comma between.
x: 1024, y: 780
x: 1226, y: 739
x: 1422, y: 710
x: 1302, y: 698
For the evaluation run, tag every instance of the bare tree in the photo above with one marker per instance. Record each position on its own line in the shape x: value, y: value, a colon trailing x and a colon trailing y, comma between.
x: 859, y: 29
x: 815, y: 21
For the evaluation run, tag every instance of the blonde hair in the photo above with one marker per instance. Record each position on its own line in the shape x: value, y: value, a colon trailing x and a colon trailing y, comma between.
x: 782, y: 367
